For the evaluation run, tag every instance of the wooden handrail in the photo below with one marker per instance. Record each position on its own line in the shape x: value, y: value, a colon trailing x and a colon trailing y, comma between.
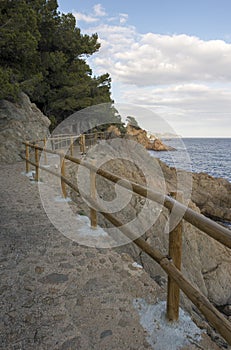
x: 64, y: 137
x: 214, y: 230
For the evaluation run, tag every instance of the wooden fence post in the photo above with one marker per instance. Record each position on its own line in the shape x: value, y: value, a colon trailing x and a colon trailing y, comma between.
x: 72, y: 146
x: 175, y: 253
x: 81, y: 143
x: 27, y: 157
x: 44, y: 148
x: 62, y: 167
x: 96, y: 137
x: 93, y: 212
x: 37, y: 163
x: 84, y: 143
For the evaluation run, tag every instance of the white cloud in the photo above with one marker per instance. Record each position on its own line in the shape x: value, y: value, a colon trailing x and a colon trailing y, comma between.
x: 84, y: 18
x: 187, y: 97
x: 123, y: 18
x: 192, y: 109
x: 185, y: 79
x: 151, y: 59
x: 99, y: 11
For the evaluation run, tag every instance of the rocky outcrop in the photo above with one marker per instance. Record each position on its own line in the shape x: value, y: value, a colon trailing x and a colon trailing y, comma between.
x: 140, y: 135
x: 113, y: 131
x: 19, y: 122
x: 212, y: 196
x: 158, y: 145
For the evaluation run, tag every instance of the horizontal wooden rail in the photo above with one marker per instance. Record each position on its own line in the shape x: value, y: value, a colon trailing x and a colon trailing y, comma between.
x: 65, y: 137
x: 214, y: 230
x: 42, y: 149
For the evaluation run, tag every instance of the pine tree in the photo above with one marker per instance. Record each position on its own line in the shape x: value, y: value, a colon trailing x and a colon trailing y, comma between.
x: 43, y: 53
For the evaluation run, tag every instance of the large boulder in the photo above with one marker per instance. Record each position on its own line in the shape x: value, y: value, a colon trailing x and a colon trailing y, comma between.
x: 20, y: 121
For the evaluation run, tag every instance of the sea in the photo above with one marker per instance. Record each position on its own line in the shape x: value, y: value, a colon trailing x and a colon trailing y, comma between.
x: 207, y: 155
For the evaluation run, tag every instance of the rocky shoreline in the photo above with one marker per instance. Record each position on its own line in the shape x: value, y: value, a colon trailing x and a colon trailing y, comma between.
x: 139, y: 135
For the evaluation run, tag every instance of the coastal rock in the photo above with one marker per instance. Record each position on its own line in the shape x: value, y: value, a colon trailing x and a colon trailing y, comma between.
x: 19, y: 122
x: 212, y: 196
x: 140, y: 135
x: 158, y: 145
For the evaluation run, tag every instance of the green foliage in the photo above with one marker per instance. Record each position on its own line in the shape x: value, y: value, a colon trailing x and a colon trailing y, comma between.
x: 43, y: 53
x: 19, y: 37
x: 7, y: 88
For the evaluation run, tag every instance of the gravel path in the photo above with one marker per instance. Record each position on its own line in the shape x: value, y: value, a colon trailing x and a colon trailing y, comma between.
x: 56, y: 294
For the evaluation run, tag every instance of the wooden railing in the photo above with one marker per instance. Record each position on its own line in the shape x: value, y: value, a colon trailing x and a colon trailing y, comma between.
x: 82, y: 141
x: 171, y: 263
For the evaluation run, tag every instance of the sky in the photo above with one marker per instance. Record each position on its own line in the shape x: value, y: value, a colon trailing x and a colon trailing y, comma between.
x: 170, y: 57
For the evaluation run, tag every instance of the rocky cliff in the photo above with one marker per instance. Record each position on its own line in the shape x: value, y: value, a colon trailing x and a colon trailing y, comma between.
x: 19, y: 122
x: 140, y: 135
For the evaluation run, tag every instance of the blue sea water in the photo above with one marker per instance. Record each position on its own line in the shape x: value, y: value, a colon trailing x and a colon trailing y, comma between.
x: 208, y: 155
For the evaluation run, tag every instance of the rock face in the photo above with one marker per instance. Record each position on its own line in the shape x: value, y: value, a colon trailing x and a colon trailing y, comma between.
x: 158, y: 145
x: 140, y: 136
x: 212, y: 196
x: 137, y: 134
x: 19, y: 122
x: 114, y: 131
